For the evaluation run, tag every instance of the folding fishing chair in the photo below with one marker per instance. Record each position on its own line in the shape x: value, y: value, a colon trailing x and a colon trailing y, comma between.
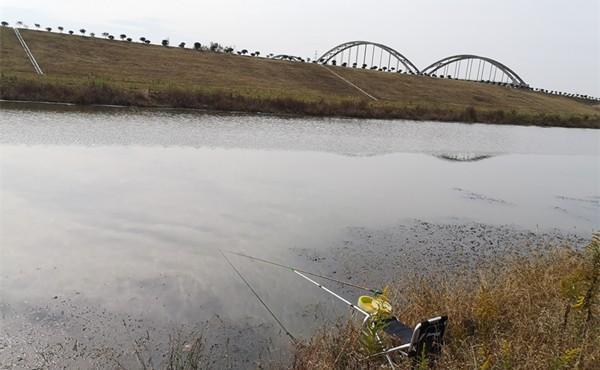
x: 425, y: 340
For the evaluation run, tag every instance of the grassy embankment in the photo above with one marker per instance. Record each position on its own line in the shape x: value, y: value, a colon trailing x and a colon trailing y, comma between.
x: 540, y: 312
x: 86, y: 70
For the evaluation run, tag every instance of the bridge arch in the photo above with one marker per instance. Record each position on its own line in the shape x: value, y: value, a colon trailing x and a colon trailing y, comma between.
x: 475, y: 65
x: 350, y: 45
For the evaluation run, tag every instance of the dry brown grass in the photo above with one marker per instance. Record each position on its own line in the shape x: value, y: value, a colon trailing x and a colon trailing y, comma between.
x: 151, y: 75
x: 11, y: 58
x: 71, y: 58
x: 452, y: 94
x: 535, y: 313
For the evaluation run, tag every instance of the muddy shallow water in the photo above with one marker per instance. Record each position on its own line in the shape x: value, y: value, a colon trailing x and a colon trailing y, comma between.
x: 111, y: 220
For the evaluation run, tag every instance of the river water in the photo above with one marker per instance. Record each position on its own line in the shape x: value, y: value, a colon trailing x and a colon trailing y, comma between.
x: 112, y: 219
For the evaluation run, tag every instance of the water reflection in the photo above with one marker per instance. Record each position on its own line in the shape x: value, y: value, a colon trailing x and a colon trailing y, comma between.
x: 463, y: 157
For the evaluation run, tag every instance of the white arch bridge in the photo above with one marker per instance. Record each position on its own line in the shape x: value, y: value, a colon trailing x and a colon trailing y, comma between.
x: 368, y: 54
x: 376, y: 56
x: 475, y: 68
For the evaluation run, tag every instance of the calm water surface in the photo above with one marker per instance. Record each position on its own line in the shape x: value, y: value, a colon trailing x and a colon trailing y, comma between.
x: 120, y: 213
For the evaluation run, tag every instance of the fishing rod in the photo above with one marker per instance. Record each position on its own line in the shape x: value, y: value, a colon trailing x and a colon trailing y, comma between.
x: 302, y: 273
x: 297, y: 270
x: 334, y: 294
x: 292, y: 338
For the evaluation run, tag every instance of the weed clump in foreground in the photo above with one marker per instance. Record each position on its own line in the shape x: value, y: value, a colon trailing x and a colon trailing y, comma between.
x: 541, y: 312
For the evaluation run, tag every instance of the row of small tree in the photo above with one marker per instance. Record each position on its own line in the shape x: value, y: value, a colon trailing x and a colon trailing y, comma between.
x: 61, y: 29
x: 213, y: 46
x: 373, y: 68
x: 519, y: 86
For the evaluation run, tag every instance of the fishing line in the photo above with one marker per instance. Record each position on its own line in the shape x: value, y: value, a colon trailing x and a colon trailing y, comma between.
x: 292, y: 338
x: 374, y: 291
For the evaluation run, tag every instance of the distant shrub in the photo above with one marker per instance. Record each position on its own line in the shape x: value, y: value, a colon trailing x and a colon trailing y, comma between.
x: 470, y: 114
x: 217, y: 48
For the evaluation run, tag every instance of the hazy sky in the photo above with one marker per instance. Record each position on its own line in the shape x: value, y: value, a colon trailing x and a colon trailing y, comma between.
x: 554, y: 44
